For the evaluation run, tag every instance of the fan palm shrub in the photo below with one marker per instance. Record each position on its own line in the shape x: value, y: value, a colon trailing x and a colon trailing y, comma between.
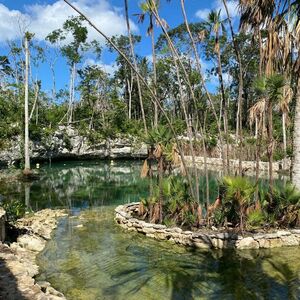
x: 238, y: 195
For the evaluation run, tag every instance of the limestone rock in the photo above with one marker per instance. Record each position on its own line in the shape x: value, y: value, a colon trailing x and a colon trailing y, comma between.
x: 247, y: 243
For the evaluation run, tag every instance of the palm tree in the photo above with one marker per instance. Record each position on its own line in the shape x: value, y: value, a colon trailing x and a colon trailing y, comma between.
x: 135, y: 65
x: 146, y: 10
x: 241, y: 86
x: 215, y: 25
x: 271, y: 89
x: 284, y: 108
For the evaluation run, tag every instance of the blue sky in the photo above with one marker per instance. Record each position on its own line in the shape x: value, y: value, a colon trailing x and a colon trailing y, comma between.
x: 43, y: 16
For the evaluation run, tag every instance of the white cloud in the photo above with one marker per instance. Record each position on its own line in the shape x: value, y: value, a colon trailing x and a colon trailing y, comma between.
x: 108, y: 68
x: 218, y: 5
x: 9, y: 23
x: 203, y: 13
x: 41, y: 19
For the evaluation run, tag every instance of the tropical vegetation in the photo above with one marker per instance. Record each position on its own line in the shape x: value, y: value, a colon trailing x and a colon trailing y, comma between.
x: 210, y: 89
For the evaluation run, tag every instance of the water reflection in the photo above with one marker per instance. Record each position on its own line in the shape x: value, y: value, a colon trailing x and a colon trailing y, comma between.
x: 91, y: 183
x: 78, y: 184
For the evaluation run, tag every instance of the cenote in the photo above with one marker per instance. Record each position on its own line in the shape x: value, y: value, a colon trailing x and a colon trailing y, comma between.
x: 90, y: 257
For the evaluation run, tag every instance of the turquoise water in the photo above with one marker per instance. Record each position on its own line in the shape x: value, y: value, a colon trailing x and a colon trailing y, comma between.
x: 90, y: 257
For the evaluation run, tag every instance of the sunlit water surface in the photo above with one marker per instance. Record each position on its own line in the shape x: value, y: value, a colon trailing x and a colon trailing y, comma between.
x: 90, y: 257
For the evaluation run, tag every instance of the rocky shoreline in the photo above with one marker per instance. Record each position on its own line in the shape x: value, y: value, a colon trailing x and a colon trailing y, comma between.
x: 205, y: 240
x: 67, y: 143
x: 18, y: 260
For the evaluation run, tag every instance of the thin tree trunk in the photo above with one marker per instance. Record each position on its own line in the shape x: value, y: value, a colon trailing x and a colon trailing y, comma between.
x: 270, y: 146
x: 129, y: 88
x: 284, y: 137
x: 224, y: 102
x: 136, y: 67
x: 239, y: 131
x: 72, y: 94
x: 154, y: 75
x: 26, y: 140
x: 36, y: 95
x: 53, y: 81
x: 296, y: 141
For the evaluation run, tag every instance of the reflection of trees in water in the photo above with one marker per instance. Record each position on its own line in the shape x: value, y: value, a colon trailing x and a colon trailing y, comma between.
x: 79, y: 185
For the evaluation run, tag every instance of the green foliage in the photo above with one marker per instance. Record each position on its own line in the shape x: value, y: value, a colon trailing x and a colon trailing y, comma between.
x: 285, y: 205
x: 256, y: 218
x: 211, y: 142
x: 15, y: 209
x: 160, y: 135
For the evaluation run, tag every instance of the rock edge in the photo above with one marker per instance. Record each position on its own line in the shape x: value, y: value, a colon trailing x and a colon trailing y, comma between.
x: 18, y: 261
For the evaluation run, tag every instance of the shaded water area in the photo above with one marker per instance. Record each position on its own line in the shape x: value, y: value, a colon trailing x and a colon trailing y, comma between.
x: 90, y: 257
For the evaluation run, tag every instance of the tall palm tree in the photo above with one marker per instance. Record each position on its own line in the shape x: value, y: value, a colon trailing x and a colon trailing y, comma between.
x: 271, y: 88
x: 215, y: 26
x: 136, y: 66
x: 146, y: 10
x: 241, y: 86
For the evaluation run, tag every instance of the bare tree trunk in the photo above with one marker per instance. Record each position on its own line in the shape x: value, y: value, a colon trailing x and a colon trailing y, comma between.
x: 129, y: 88
x: 26, y: 140
x: 53, y: 80
x: 296, y: 141
x: 154, y: 75
x: 72, y: 94
x: 36, y: 96
x: 136, y: 67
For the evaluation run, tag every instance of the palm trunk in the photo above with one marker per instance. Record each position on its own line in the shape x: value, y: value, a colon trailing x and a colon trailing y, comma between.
x: 270, y: 146
x: 26, y: 133
x: 224, y: 102
x: 296, y: 141
x: 136, y: 67
x: 284, y: 136
x: 154, y: 75
x: 239, y: 131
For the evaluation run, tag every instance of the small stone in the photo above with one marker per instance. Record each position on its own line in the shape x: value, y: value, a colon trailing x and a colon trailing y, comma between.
x: 217, y: 243
x: 32, y: 243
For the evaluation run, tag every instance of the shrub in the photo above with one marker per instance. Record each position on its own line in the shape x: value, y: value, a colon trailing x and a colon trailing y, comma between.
x: 15, y: 209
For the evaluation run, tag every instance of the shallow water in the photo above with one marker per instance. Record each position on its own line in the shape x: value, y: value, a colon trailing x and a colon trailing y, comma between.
x: 90, y: 257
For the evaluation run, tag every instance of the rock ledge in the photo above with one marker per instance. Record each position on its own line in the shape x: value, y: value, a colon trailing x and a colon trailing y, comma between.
x: 18, y: 261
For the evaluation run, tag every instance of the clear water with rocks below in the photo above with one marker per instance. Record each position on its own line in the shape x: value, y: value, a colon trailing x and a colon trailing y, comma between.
x: 90, y: 257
